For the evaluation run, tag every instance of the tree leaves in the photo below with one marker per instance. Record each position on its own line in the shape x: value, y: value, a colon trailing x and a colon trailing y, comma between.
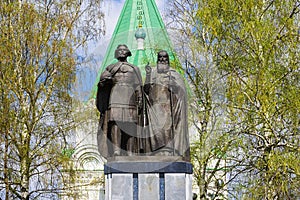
x: 254, y: 47
x: 37, y: 69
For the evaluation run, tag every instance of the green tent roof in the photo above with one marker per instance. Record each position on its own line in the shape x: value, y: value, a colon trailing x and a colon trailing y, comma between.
x: 138, y: 14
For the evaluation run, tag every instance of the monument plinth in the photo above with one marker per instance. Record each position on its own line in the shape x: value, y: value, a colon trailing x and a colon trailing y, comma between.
x: 143, y: 128
x: 148, y: 178
x: 146, y: 144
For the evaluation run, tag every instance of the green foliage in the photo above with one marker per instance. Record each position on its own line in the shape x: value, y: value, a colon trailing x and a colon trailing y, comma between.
x: 256, y: 44
x: 209, y: 143
x: 37, y: 69
x: 253, y: 49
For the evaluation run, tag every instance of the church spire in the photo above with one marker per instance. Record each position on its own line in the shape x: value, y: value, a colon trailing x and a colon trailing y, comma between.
x: 141, y: 28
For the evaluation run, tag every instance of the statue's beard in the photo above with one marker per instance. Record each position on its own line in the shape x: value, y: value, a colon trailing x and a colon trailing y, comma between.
x: 162, y: 67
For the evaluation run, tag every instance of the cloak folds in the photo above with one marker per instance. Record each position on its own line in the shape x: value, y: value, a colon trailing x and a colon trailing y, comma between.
x: 102, y: 103
x: 166, y: 108
x: 119, y: 91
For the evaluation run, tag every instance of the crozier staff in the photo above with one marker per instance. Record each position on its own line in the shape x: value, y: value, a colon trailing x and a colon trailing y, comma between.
x: 166, y: 109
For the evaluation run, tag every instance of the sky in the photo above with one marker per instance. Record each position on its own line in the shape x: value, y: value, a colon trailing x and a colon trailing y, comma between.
x: 112, y: 10
x: 87, y: 73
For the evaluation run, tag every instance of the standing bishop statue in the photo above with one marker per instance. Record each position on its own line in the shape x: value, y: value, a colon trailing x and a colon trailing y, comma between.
x: 166, y: 110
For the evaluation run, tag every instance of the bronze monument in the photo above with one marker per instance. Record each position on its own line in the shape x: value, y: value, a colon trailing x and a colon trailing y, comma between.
x: 125, y: 105
x: 119, y: 100
x: 166, y: 102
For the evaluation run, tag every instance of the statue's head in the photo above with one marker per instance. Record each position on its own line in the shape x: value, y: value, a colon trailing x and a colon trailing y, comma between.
x: 122, y: 52
x: 163, y: 61
x: 163, y: 57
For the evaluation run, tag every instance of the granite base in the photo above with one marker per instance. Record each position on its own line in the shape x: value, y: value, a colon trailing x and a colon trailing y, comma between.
x: 148, y: 180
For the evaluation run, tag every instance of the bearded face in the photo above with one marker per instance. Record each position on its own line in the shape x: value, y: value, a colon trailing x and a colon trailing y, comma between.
x: 163, y: 62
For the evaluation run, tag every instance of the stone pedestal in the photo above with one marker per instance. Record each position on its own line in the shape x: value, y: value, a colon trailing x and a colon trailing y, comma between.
x: 148, y: 178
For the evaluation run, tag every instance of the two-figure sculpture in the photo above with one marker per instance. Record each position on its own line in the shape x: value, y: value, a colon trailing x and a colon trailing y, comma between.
x: 137, y: 119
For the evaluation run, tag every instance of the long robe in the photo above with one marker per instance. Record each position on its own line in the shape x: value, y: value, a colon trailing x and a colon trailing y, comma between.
x: 166, y: 107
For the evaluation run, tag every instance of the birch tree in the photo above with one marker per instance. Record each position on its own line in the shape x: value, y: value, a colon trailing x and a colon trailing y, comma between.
x: 210, y: 141
x: 39, y: 40
x: 255, y: 45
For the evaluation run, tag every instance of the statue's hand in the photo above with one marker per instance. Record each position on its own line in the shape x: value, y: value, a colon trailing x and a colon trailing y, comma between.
x: 148, y: 69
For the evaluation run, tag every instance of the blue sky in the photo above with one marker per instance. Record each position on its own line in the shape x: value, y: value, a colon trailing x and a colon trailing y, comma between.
x: 87, y: 73
x: 112, y: 10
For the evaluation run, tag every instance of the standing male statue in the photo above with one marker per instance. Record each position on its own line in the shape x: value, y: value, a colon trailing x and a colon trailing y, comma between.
x: 166, y: 110
x: 119, y: 102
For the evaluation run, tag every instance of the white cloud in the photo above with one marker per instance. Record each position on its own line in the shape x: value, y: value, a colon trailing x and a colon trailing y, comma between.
x: 112, y: 10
